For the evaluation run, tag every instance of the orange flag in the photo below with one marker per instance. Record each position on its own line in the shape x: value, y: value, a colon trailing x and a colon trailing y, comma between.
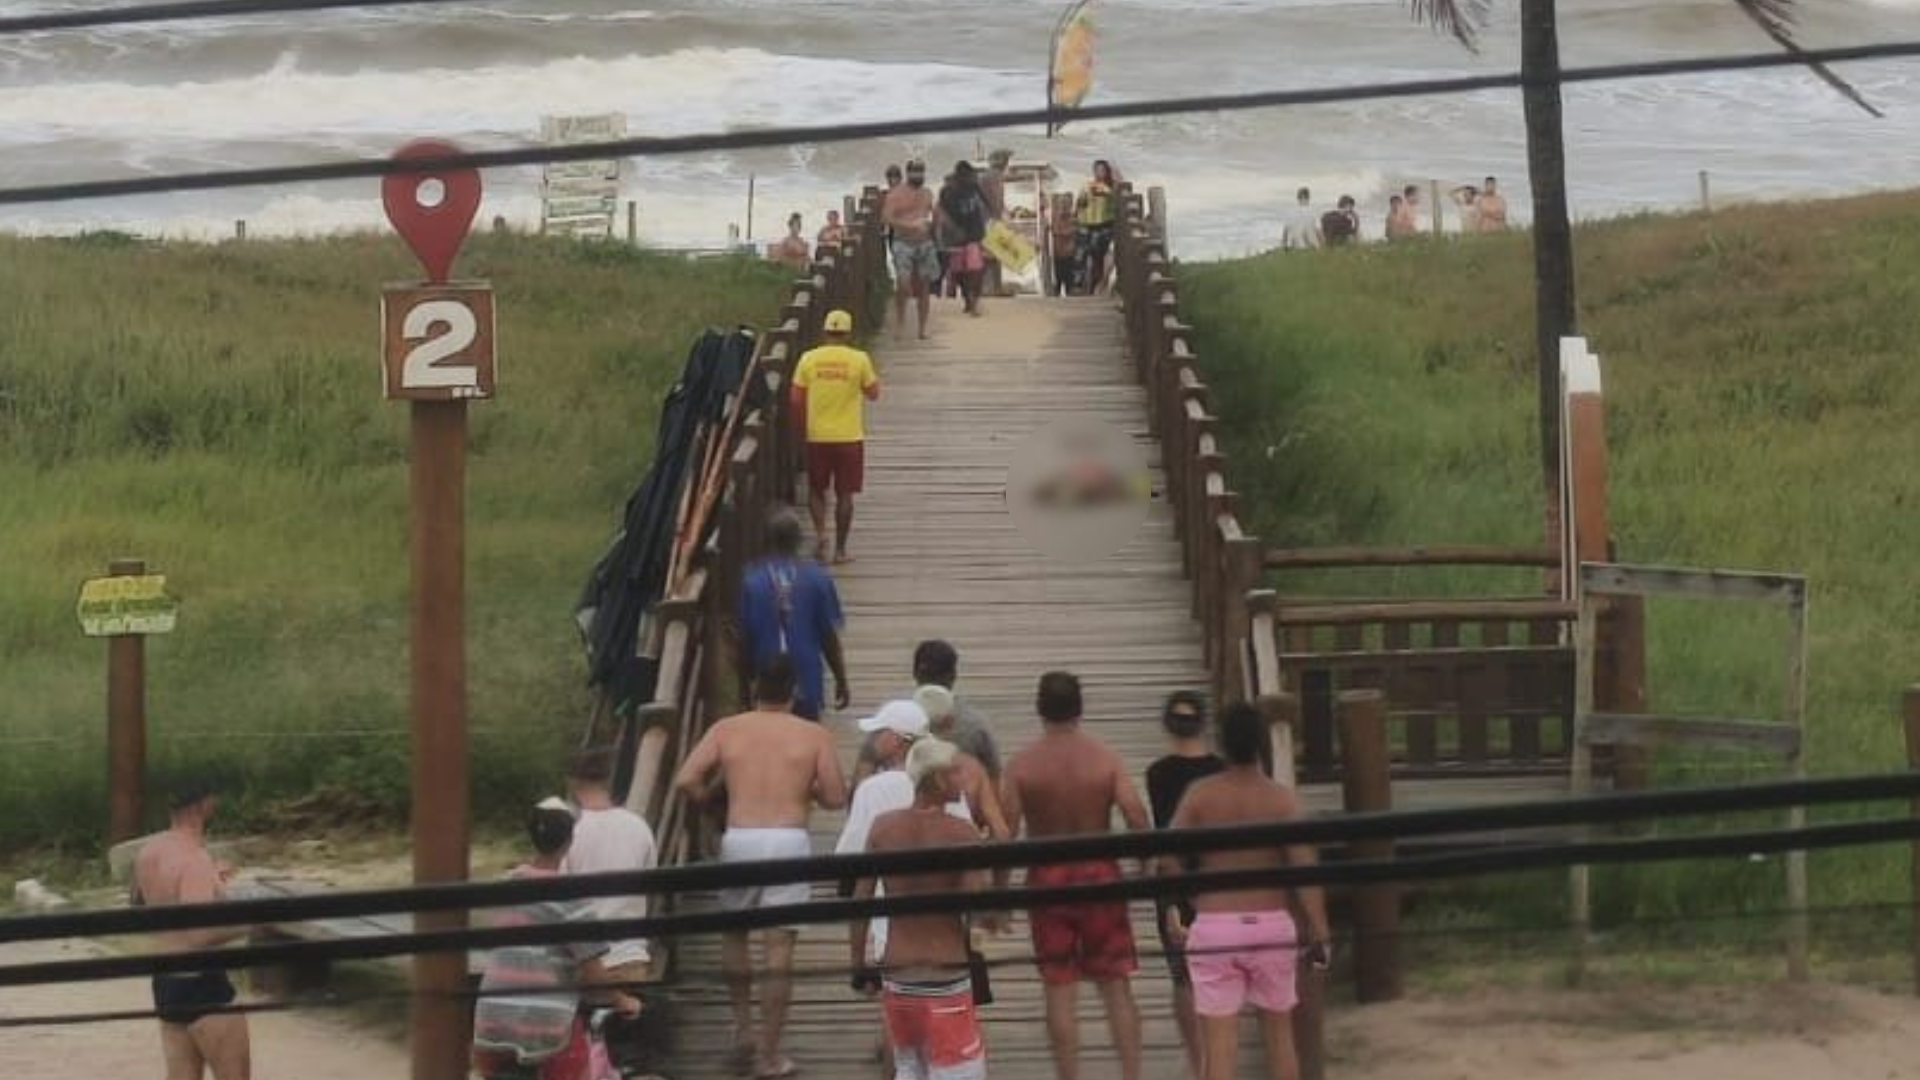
x: 1070, y: 72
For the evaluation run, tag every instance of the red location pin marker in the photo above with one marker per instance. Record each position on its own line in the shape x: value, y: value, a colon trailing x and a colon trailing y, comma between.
x: 434, y: 232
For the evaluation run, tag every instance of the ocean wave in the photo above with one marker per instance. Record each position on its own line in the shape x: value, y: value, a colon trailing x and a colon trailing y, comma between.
x: 690, y: 90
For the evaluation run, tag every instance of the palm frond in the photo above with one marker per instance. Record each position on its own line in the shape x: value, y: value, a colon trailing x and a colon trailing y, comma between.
x: 1775, y: 18
x: 1460, y: 18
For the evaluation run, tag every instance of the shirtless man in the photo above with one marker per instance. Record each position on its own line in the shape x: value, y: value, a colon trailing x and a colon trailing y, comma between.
x: 1064, y: 783
x: 1492, y: 206
x: 923, y: 971
x: 176, y: 868
x: 1242, y: 944
x: 773, y: 766
x: 908, y: 212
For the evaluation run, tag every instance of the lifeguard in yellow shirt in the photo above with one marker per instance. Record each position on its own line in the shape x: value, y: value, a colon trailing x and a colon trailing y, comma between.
x: 831, y: 385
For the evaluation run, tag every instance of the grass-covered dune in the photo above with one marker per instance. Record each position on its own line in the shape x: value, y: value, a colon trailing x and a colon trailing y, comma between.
x: 217, y: 411
x: 1763, y: 413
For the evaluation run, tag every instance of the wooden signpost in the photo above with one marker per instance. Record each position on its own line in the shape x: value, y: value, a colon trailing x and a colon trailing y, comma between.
x: 124, y: 607
x: 438, y: 355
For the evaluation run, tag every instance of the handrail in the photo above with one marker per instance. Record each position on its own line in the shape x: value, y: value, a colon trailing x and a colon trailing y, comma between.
x: 694, y: 626
x: 1329, y: 558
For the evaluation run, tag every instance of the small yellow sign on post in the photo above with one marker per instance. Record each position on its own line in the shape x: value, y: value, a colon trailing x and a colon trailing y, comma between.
x: 119, y: 606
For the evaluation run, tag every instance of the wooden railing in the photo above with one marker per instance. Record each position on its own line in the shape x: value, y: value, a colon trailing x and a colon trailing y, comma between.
x: 693, y: 629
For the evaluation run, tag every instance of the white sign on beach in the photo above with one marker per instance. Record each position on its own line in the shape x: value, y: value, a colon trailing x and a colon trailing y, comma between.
x: 581, y: 198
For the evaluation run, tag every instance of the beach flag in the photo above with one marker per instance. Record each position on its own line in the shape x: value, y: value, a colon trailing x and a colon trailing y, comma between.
x: 1070, y: 70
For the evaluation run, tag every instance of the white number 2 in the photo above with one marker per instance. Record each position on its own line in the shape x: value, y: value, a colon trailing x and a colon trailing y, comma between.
x: 422, y: 369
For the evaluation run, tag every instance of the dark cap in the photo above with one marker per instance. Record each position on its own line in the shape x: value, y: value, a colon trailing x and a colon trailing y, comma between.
x: 549, y: 829
x: 190, y: 790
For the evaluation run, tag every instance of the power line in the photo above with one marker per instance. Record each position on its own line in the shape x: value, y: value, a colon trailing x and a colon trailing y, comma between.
x: 1605, y: 809
x: 645, y: 146
x: 94, y: 18
x: 1364, y: 872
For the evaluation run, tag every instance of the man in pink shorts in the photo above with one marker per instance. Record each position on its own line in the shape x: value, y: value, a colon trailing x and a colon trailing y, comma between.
x: 1242, y: 945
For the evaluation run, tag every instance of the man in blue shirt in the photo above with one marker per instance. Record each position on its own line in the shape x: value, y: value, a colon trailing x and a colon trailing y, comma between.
x: 789, y: 605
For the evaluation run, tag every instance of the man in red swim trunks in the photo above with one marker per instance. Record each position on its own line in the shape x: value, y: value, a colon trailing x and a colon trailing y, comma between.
x: 1067, y: 782
x: 831, y: 385
x: 1242, y: 946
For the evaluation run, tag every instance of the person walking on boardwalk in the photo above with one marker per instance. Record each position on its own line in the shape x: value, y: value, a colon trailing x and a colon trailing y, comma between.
x: 922, y: 971
x: 1242, y: 944
x: 609, y: 838
x: 831, y: 385
x: 1064, y: 783
x: 908, y: 216
x: 1098, y: 210
x: 1189, y: 759
x: 773, y: 767
x: 175, y: 867
x: 964, y: 210
x: 790, y: 607
x: 937, y: 663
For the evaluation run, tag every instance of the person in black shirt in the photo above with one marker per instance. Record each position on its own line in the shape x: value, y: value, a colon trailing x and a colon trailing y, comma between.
x: 963, y: 209
x: 1189, y: 759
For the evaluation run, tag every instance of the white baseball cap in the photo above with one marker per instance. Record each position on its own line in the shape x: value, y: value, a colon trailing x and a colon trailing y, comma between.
x: 900, y: 717
x: 935, y: 700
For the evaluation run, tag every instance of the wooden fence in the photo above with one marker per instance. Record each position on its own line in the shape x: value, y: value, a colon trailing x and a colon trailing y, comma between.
x: 695, y: 627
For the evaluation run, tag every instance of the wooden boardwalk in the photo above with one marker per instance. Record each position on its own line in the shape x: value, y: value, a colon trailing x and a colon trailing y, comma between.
x: 937, y: 556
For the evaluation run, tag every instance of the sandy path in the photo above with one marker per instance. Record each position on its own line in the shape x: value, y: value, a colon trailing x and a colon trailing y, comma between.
x: 1642, y: 1033
x: 286, y: 1046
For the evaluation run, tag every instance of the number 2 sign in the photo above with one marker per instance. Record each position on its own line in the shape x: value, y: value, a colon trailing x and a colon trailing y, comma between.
x: 439, y: 342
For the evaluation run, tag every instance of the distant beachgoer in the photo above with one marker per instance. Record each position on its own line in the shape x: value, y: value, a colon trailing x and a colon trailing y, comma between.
x: 964, y: 211
x: 1400, y: 224
x: 794, y: 250
x: 1302, y: 231
x: 1188, y: 759
x: 1467, y: 198
x: 923, y: 971
x: 1063, y: 238
x: 908, y: 213
x: 175, y: 867
x: 773, y: 767
x: 1067, y: 783
x: 833, y: 232
x: 789, y: 607
x: 543, y: 1022
x: 1341, y: 226
x: 1493, y: 207
x: 1098, y: 207
x: 831, y: 385
x: 1411, y: 193
x: 1242, y: 944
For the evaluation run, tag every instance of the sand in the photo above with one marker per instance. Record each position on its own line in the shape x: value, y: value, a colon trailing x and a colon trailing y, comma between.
x: 1773, y: 1032
x: 286, y: 1046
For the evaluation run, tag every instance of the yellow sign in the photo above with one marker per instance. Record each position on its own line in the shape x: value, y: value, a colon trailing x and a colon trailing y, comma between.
x: 117, y: 606
x: 1009, y: 247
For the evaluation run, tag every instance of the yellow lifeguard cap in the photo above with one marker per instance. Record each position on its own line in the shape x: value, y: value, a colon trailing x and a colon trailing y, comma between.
x: 838, y: 322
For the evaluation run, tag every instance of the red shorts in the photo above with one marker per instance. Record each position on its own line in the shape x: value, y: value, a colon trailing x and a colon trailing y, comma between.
x: 841, y: 467
x: 1081, y: 941
x: 935, y: 1032
x: 967, y: 258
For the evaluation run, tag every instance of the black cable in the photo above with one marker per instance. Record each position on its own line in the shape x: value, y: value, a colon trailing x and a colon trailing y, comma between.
x: 838, y: 972
x: 362, y: 168
x: 1606, y: 809
x: 1379, y: 871
x: 141, y: 14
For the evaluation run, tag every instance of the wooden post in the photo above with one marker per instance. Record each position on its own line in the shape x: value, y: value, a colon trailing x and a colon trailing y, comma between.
x: 240, y: 229
x: 1911, y: 714
x: 440, y: 760
x: 1795, y: 713
x: 633, y: 222
x: 750, y: 181
x: 1706, y: 194
x: 126, y: 723
x: 1282, y: 713
x: 1435, y: 199
x: 1367, y: 787
x: 1157, y: 214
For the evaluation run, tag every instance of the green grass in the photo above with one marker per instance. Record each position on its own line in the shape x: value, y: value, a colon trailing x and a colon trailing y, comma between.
x: 217, y: 411
x: 1761, y: 413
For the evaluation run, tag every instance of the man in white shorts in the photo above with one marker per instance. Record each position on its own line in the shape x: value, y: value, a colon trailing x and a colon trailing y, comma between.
x: 774, y: 767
